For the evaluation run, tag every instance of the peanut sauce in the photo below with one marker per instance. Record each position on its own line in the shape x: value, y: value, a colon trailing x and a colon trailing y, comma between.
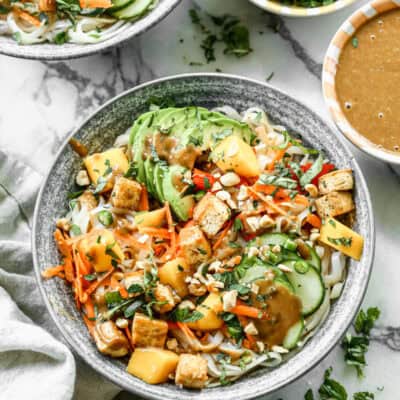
x: 368, y: 80
x: 282, y: 307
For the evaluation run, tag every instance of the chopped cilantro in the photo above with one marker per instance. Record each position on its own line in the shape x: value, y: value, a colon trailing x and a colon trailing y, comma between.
x: 237, y: 225
x: 355, y: 348
x: 341, y: 241
x: 331, y: 389
x: 75, y: 230
x: 363, y: 396
x: 365, y: 320
x: 90, y: 277
x: 185, y: 315
x: 135, y: 288
x: 354, y: 42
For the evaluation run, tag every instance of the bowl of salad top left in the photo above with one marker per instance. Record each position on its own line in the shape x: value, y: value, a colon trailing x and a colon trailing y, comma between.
x: 64, y: 29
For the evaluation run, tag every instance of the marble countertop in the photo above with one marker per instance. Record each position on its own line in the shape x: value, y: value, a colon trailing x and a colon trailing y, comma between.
x: 55, y: 97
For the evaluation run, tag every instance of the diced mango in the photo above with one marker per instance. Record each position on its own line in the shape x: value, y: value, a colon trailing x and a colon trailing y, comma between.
x: 153, y: 219
x: 152, y: 365
x: 235, y: 154
x: 174, y: 273
x: 210, y: 308
x: 342, y: 238
x: 97, y: 165
x: 100, y: 248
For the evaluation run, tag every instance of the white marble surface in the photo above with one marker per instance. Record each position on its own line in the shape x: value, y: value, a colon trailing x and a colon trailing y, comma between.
x: 41, y: 102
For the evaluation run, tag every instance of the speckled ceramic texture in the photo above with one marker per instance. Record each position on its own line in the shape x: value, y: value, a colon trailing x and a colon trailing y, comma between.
x: 50, y: 51
x: 208, y: 90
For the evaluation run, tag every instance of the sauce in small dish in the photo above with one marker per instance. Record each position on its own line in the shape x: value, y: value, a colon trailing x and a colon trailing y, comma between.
x: 368, y: 80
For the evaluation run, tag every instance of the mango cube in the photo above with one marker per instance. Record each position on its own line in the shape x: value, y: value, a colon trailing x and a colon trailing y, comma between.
x: 174, y: 273
x: 210, y: 308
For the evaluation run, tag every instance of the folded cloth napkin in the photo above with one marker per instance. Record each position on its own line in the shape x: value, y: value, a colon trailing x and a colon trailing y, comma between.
x: 35, y: 362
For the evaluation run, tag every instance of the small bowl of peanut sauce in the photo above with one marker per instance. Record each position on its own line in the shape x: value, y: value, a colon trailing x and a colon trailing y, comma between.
x: 361, y: 79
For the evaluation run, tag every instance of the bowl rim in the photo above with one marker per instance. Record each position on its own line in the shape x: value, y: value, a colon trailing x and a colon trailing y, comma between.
x: 301, y: 12
x: 53, y: 52
x: 370, y: 252
x: 348, y: 28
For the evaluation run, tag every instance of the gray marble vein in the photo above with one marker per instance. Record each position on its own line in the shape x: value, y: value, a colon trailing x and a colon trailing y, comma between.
x: 279, y: 26
x: 388, y: 336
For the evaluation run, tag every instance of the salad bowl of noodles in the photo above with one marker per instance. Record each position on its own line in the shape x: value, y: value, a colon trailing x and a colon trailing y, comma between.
x: 64, y: 29
x: 210, y: 238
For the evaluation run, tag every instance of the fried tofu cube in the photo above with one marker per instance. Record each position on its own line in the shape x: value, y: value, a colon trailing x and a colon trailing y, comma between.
x: 87, y: 200
x: 152, y: 365
x: 165, y: 297
x: 211, y: 214
x: 148, y: 332
x: 339, y: 180
x: 110, y: 340
x: 334, y: 203
x: 191, y: 371
x: 195, y: 248
x: 101, y: 164
x: 126, y: 194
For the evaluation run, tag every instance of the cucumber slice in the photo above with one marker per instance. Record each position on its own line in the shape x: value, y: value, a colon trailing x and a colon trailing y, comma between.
x: 293, y: 335
x: 254, y: 273
x: 133, y: 10
x: 119, y: 5
x: 271, y: 239
x: 314, y: 259
x: 309, y: 287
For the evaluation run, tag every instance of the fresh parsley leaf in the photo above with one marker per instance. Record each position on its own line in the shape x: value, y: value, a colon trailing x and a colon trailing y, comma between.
x: 132, y: 171
x: 61, y: 37
x: 309, y: 395
x: 113, y: 299
x: 135, y: 288
x: 365, y: 320
x: 341, y: 241
x: 355, y: 348
x: 331, y: 389
x: 363, y: 396
x: 185, y: 315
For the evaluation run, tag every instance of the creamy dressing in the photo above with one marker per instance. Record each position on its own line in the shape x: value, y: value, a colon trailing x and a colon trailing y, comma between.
x: 368, y: 80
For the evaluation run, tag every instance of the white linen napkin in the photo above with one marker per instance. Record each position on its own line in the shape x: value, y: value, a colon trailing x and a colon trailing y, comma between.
x: 35, y: 362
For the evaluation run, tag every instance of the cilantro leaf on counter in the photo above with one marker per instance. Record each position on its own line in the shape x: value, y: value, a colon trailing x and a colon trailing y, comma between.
x: 363, y: 396
x: 355, y: 348
x: 331, y: 389
x: 365, y: 320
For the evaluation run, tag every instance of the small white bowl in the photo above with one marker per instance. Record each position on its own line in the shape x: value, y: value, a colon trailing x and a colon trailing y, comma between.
x: 332, y: 56
x: 294, y: 11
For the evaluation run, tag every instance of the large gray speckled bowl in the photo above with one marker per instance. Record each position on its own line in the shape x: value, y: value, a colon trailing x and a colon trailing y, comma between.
x: 208, y: 90
x: 51, y: 51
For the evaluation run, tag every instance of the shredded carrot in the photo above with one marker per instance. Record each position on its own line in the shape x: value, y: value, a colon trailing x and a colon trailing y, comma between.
x: 266, y: 189
x: 27, y: 17
x: 157, y: 232
x: 144, y: 200
x: 186, y: 330
x: 314, y: 220
x: 129, y: 241
x: 89, y: 324
x: 52, y: 271
x: 66, y: 250
x: 248, y: 311
x: 123, y: 292
x: 100, y: 281
x: 277, y: 157
x: 89, y: 308
x: 47, y: 5
x: 222, y: 235
x: 129, y: 336
x: 270, y: 203
x: 95, y: 3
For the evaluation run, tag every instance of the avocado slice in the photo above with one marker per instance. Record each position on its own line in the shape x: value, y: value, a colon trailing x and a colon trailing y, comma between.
x: 181, y: 206
x: 158, y: 177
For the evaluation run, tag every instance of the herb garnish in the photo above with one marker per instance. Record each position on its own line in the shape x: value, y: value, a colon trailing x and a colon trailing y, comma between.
x: 68, y: 8
x: 354, y: 42
x: 312, y: 172
x: 331, y: 389
x: 341, y: 241
x: 185, y: 315
x: 363, y: 396
x: 356, y: 347
x: 234, y: 35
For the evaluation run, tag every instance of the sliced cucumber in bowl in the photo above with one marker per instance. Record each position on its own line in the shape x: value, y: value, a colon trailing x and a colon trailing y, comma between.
x: 308, y: 286
x: 293, y: 335
x: 133, y: 10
